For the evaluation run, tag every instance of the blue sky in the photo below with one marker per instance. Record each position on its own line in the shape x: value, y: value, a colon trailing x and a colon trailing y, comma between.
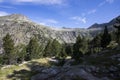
x: 63, y: 13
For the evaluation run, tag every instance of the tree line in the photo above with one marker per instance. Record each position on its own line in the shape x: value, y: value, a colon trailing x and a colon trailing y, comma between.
x: 33, y: 50
x: 16, y: 54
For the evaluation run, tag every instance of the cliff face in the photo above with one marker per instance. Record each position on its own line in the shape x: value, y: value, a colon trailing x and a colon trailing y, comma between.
x: 22, y: 29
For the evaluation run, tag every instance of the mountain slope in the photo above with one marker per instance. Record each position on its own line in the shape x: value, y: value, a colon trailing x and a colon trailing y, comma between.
x: 109, y: 24
x: 22, y: 29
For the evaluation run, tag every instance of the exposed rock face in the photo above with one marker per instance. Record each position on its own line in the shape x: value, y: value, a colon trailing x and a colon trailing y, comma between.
x: 60, y: 73
x: 22, y: 29
x: 14, y: 17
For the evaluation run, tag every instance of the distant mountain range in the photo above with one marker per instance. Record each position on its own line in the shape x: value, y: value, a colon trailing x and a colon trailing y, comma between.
x: 109, y: 24
x: 22, y: 29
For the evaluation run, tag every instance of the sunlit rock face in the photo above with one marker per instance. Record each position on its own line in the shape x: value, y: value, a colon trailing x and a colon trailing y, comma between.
x: 22, y: 29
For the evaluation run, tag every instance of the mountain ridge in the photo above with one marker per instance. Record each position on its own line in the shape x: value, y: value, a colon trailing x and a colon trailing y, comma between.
x: 22, y: 28
x: 111, y: 22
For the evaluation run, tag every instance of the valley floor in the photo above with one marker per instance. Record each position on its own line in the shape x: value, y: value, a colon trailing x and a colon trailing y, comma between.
x: 102, y: 66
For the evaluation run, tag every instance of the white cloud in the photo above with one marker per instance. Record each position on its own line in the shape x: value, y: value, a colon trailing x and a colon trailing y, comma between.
x: 79, y: 19
x: 51, y: 21
x: 110, y: 1
x: 47, y: 22
x: 101, y: 4
x: 42, y: 23
x: 2, y: 13
x: 8, y: 7
x: 45, y: 2
x: 104, y: 2
x: 92, y: 11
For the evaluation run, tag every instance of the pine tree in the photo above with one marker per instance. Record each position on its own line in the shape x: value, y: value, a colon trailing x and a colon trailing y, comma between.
x: 63, y: 53
x: 84, y: 45
x: 1, y: 60
x: 79, y: 48
x: 53, y: 48
x: 8, y: 45
x: 106, y: 38
x: 48, y: 50
x: 21, y: 51
x: 56, y: 48
x: 96, y: 44
x: 69, y: 49
x: 33, y: 48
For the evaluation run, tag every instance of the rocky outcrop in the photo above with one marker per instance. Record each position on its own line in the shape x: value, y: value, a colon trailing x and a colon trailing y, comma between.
x: 102, y: 66
x: 61, y: 73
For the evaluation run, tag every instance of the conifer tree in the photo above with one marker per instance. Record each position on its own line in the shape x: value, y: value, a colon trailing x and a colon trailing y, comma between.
x: 96, y: 44
x: 106, y: 38
x: 63, y: 53
x: 79, y: 48
x: 56, y: 48
x: 21, y: 51
x: 8, y: 46
x: 33, y: 48
x: 48, y: 49
x: 69, y: 49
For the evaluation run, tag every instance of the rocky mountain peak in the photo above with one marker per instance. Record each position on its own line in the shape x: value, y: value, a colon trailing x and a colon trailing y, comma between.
x: 15, y: 17
x: 95, y: 25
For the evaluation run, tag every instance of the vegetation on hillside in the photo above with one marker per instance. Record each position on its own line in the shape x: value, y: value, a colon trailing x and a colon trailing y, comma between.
x: 106, y: 40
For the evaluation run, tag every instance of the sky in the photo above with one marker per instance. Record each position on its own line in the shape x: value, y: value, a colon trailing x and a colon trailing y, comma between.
x: 63, y: 13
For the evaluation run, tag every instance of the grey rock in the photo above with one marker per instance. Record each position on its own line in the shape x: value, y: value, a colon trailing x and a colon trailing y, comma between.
x: 22, y: 29
x: 61, y: 73
x: 41, y: 76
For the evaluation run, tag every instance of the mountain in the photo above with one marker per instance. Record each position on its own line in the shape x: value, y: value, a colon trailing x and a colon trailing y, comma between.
x: 22, y: 29
x: 101, y: 26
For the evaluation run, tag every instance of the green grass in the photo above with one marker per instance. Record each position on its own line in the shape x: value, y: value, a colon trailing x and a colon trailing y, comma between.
x: 22, y: 70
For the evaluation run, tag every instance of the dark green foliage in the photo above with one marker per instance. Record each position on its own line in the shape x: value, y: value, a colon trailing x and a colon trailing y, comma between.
x: 33, y: 48
x: 97, y: 41
x: 113, y: 36
x: 21, y: 51
x: 48, y: 50
x: 8, y: 46
x: 84, y: 45
x: 69, y: 49
x: 79, y: 48
x: 56, y: 48
x: 62, y: 54
x: 1, y: 59
x: 95, y: 44
x: 53, y: 48
x: 76, y: 48
x: 106, y: 38
x: 118, y: 31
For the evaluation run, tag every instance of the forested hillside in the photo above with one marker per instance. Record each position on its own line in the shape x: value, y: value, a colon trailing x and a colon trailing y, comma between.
x: 84, y: 57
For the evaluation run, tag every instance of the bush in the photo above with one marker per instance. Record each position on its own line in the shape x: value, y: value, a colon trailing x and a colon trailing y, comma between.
x: 112, y: 45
